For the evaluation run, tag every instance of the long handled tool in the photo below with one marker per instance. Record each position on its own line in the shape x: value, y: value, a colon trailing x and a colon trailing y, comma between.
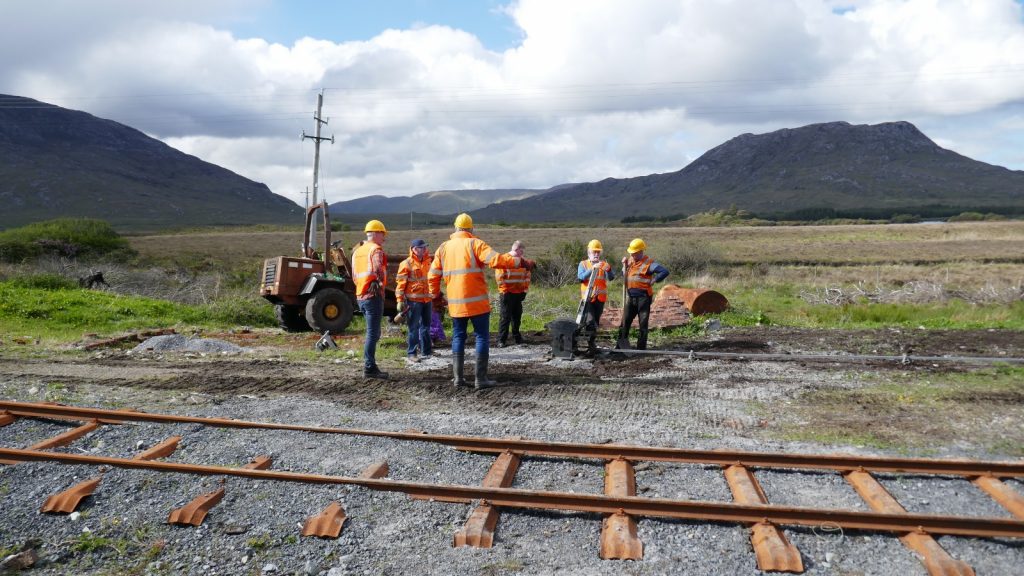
x: 581, y: 312
x: 623, y: 342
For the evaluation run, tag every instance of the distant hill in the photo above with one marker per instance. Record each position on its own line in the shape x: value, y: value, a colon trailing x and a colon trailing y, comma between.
x: 56, y: 162
x: 439, y: 202
x: 818, y: 169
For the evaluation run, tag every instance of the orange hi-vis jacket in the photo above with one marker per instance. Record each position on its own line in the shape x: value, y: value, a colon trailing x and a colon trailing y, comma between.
x: 639, y: 277
x: 461, y: 262
x: 512, y: 280
x: 369, y: 263
x: 600, y: 293
x: 411, y: 281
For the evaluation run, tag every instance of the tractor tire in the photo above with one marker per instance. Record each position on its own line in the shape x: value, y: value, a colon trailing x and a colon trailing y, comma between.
x: 290, y: 318
x: 329, y: 309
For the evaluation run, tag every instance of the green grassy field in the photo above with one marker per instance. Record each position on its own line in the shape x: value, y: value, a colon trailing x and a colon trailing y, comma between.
x: 963, y: 275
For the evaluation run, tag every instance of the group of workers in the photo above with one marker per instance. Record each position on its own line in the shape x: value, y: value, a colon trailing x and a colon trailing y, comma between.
x: 461, y: 263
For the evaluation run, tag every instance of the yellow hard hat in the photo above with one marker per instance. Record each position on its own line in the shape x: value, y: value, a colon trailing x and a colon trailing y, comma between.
x: 463, y: 221
x: 637, y: 245
x: 375, y: 226
x: 595, y: 245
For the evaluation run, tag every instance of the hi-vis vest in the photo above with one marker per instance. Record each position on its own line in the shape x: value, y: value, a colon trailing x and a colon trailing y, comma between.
x: 639, y: 277
x: 361, y: 271
x: 600, y: 293
x: 411, y: 281
x: 461, y: 262
x: 512, y: 280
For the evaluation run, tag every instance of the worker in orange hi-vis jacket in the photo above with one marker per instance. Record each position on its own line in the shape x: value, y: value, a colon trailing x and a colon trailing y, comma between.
x: 413, y: 296
x: 461, y: 262
x: 641, y: 274
x: 513, y: 283
x: 600, y: 271
x: 370, y: 274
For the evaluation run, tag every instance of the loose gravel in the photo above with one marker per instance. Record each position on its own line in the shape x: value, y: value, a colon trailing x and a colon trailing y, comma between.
x: 255, y: 529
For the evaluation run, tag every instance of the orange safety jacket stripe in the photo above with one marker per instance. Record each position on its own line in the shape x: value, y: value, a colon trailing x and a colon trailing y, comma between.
x: 639, y: 277
x: 411, y: 281
x: 600, y: 293
x: 369, y: 263
x: 460, y: 262
x: 512, y: 280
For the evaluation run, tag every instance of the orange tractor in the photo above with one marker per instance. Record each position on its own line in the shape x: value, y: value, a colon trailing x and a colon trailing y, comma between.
x: 314, y: 291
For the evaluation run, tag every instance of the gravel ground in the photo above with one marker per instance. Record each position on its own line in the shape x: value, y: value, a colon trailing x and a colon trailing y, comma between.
x: 255, y: 529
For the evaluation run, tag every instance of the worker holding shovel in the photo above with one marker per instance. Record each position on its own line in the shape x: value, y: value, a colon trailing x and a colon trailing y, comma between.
x: 641, y: 273
x: 600, y: 271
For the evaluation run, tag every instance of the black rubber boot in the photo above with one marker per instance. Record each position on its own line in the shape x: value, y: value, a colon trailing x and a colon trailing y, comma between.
x: 517, y: 337
x: 481, y: 372
x: 375, y: 373
x: 458, y: 367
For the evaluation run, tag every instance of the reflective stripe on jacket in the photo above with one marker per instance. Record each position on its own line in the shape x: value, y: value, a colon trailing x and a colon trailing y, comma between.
x: 512, y: 280
x: 639, y: 277
x: 411, y: 281
x: 460, y: 262
x: 600, y: 293
x: 369, y: 263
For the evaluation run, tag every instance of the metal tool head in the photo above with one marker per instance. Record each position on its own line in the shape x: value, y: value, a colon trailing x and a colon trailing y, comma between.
x: 326, y: 342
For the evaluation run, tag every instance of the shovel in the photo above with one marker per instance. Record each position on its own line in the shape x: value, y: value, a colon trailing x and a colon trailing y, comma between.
x: 623, y: 342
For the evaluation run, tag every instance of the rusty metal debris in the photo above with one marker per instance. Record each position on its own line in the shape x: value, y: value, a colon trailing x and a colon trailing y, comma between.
x: 773, y: 550
x: 836, y: 462
x: 1007, y: 497
x: 619, y: 540
x: 375, y: 470
x: 935, y: 558
x: 619, y: 505
x: 600, y: 504
x: 65, y: 502
x: 478, y: 532
x: 672, y: 306
x: 193, y: 513
x: 326, y: 524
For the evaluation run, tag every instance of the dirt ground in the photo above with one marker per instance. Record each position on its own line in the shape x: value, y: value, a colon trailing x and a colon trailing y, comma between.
x: 878, y: 403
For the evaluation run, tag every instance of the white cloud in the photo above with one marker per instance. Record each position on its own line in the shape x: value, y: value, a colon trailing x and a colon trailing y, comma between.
x: 597, y: 88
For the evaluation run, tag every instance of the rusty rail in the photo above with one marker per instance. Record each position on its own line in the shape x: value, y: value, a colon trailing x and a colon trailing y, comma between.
x: 838, y: 462
x: 544, y: 500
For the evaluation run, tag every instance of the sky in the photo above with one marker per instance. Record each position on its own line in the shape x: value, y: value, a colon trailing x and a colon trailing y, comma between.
x: 425, y: 95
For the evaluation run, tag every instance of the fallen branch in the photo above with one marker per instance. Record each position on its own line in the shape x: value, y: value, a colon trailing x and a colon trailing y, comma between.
x: 134, y: 336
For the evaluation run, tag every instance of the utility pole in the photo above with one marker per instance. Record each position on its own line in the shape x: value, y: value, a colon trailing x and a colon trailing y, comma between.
x: 314, y: 229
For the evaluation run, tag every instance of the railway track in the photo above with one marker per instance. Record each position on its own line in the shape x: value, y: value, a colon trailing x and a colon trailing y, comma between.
x: 619, y: 505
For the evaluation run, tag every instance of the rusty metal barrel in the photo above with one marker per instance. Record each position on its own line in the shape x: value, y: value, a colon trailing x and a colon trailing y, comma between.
x: 697, y: 301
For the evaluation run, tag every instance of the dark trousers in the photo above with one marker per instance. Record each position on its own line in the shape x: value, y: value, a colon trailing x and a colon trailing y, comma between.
x: 419, y: 328
x: 511, y: 311
x: 636, y: 307
x: 591, y: 320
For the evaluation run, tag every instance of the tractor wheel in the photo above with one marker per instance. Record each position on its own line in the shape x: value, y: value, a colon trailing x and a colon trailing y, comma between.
x: 290, y: 318
x: 329, y: 309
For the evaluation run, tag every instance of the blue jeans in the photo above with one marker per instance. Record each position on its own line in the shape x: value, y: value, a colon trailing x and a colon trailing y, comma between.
x: 418, y: 314
x: 481, y: 327
x: 373, y: 311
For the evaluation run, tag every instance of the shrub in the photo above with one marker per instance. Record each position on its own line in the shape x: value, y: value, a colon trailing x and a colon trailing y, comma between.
x: 560, y: 268
x: 68, y: 237
x: 692, y: 259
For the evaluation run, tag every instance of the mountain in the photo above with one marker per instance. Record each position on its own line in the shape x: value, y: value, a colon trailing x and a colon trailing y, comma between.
x: 56, y: 162
x: 439, y: 202
x: 878, y: 169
